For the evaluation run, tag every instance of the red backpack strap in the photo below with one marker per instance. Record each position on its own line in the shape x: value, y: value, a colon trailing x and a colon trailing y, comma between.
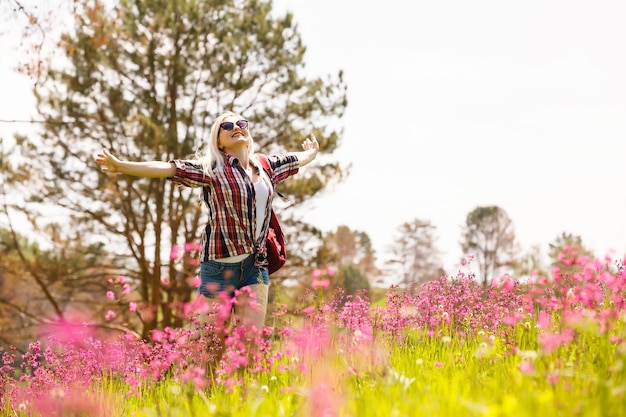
x: 266, y: 165
x: 275, y: 242
x: 268, y: 170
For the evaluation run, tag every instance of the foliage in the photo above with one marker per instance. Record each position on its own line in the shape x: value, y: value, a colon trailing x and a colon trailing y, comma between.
x: 566, y: 250
x: 530, y: 263
x: 145, y: 80
x: 42, y: 286
x: 415, y: 257
x: 489, y: 236
x: 352, y: 280
x: 349, y: 260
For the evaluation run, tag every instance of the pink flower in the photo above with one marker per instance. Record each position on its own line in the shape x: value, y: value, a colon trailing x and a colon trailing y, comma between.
x: 551, y: 341
x: 174, y: 253
x: 192, y: 246
x: 194, y: 281
x: 553, y: 378
x: 438, y: 364
x: 316, y: 273
x: 109, y: 315
x: 330, y: 271
x: 322, y: 283
x: 158, y: 336
x: 527, y: 367
x: 308, y: 310
x: 121, y: 279
x: 110, y: 295
x: 132, y: 307
x: 126, y: 289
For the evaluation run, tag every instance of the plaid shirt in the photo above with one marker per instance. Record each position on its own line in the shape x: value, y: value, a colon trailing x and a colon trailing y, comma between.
x: 230, y: 198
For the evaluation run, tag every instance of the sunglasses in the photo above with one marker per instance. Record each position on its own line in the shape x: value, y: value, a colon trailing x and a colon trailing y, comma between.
x: 228, y: 126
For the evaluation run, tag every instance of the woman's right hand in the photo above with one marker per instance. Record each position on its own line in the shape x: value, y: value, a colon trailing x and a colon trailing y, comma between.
x: 108, y: 162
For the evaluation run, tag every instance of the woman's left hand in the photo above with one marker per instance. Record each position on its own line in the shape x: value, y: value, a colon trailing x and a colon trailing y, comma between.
x: 311, y: 143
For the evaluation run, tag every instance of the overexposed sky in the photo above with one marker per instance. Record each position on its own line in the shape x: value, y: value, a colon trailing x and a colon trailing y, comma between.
x: 455, y: 104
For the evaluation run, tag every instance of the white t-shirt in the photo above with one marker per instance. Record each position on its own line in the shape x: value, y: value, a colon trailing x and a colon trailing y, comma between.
x: 262, y: 191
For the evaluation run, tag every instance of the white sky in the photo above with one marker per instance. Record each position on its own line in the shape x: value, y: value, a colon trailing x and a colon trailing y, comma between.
x: 455, y: 104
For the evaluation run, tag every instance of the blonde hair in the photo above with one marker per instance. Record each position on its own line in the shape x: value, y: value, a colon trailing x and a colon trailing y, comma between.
x: 211, y: 156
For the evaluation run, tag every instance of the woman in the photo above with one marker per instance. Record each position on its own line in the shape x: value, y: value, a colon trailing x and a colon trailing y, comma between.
x: 238, y: 194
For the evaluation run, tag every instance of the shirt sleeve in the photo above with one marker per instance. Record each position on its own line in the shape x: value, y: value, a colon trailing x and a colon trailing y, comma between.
x: 282, y: 166
x: 189, y: 174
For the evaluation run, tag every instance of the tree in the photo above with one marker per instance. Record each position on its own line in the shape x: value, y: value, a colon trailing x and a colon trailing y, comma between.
x: 567, y: 252
x: 44, y: 286
x: 352, y: 280
x: 351, y: 255
x: 146, y: 79
x: 415, y: 256
x: 489, y: 235
x: 530, y: 264
x: 347, y: 247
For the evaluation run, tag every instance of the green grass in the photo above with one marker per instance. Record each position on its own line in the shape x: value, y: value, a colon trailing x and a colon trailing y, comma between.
x: 425, y: 376
x: 449, y: 371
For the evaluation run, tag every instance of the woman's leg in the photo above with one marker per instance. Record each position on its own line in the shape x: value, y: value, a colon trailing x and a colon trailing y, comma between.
x: 251, y: 306
x: 251, y: 299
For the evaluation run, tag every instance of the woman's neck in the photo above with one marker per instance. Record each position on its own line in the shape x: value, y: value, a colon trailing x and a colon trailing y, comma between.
x: 241, y: 155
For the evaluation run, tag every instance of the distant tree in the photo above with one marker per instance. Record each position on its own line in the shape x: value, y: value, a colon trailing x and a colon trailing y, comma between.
x: 146, y: 79
x: 567, y: 251
x: 489, y: 235
x: 352, y: 279
x: 349, y: 251
x: 414, y: 255
x: 530, y: 264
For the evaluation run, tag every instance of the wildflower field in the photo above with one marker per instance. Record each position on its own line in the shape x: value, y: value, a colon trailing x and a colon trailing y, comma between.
x: 548, y: 346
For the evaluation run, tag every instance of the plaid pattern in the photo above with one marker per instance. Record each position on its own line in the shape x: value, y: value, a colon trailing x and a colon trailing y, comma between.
x: 230, y: 198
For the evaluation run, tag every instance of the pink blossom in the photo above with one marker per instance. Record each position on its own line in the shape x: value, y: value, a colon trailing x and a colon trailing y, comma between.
x: 121, y: 279
x: 126, y: 289
x: 158, y: 335
x: 330, y: 271
x: 551, y: 341
x: 544, y: 320
x: 325, y: 399
x: 110, y: 295
x: 527, y: 367
x: 316, y: 273
x: 553, y: 378
x: 192, y: 246
x: 308, y: 310
x: 438, y: 364
x: 194, y: 281
x: 132, y: 306
x: 174, y: 255
x: 322, y: 283
x: 109, y: 315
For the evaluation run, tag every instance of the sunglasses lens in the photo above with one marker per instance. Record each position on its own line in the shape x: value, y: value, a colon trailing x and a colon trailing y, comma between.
x: 242, y: 124
x: 227, y: 126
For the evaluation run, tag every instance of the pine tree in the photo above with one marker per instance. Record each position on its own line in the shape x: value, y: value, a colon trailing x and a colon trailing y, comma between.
x: 145, y: 79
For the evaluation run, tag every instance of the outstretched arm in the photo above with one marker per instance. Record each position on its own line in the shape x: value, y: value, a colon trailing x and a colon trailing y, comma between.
x: 311, y: 147
x: 150, y: 169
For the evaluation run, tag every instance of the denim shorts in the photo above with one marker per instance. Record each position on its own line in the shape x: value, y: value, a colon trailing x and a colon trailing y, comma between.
x: 216, y: 277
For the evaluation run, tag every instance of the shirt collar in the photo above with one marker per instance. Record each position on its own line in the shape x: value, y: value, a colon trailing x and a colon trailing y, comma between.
x: 233, y: 160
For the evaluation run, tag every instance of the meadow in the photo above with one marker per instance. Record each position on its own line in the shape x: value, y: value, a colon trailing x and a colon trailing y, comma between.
x: 543, y: 346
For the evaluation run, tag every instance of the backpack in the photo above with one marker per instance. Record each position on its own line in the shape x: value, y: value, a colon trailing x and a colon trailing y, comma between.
x: 275, y: 241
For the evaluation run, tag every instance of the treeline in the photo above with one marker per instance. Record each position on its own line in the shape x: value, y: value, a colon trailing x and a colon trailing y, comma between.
x: 42, y: 288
